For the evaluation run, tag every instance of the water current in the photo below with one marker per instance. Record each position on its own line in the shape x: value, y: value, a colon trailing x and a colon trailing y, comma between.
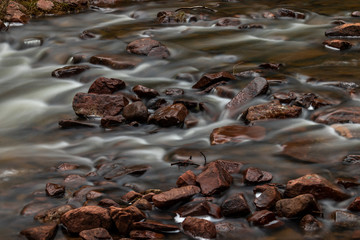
x: 32, y: 101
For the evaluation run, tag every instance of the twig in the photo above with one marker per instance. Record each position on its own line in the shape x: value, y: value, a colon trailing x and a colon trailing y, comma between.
x: 204, y: 158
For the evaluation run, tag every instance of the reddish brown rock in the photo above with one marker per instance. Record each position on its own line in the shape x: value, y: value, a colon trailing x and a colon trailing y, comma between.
x: 54, y: 190
x: 174, y: 91
x: 154, y: 226
x: 346, y: 220
x: 255, y: 175
x: 271, y: 110
x: 344, y: 30
x: 68, y: 124
x: 194, y: 209
x: 231, y: 167
x: 148, y: 47
x: 66, y: 167
x: 187, y: 178
x: 272, y: 66
x: 131, y: 196
x: 107, y: 202
x: 225, y: 22
x: 145, y: 234
x: 236, y: 133
x: 69, y: 71
x: 52, y: 214
x: 175, y: 195
x: 121, y: 219
x: 251, y: 26
x: 115, y: 61
x: 85, y: 218
x: 337, y: 115
x: 225, y: 92
x: 105, y: 85
x: 256, y: 87
x: 95, y: 234
x: 168, y: 116
x: 214, y: 210
x: 261, y: 218
x: 214, y: 179
x: 90, y: 104
x: 355, y: 205
x: 45, y: 5
x: 349, y: 130
x: 196, y: 227
x: 283, y: 12
x: 136, y: 111
x: 310, y: 224
x: 112, y: 121
x: 15, y: 12
x: 137, y: 214
x: 45, y: 232
x: 235, y: 206
x: 142, y: 204
x: 266, y: 196
x: 210, y: 79
x: 297, y: 206
x: 347, y: 182
x: 315, y: 185
x: 191, y: 105
x: 92, y: 195
x: 114, y: 171
x: 145, y: 92
x: 74, y: 180
x: 169, y: 17
x: 338, y: 44
x: 355, y: 14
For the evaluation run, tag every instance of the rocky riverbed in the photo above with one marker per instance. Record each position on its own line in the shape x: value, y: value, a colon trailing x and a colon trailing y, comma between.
x: 174, y: 120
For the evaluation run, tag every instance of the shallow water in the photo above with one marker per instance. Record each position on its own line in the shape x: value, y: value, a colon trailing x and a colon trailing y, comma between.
x: 32, y: 102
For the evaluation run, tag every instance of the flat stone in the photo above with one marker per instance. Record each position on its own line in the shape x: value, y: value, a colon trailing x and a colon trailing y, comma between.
x: 344, y: 30
x: 266, y: 196
x: 112, y: 121
x: 210, y: 79
x: 85, y: 218
x: 236, y: 133
x: 226, y: 22
x: 148, y: 47
x: 145, y: 234
x: 214, y: 179
x: 261, y: 218
x: 115, y: 171
x: 283, y: 12
x: 105, y: 85
x: 196, y: 227
x: 175, y: 195
x: 235, y: 206
x: 45, y: 232
x: 34, y: 208
x: 187, y: 178
x: 258, y: 86
x: 100, y: 105
x: 337, y: 115
x: 194, y: 208
x: 338, y: 44
x: 115, y: 61
x: 154, y: 226
x: 69, y: 124
x: 255, y: 175
x: 69, y: 71
x: 297, y: 206
x: 310, y: 224
x: 95, y: 234
x: 316, y: 185
x: 136, y: 111
x: 54, y: 190
x: 347, y: 130
x: 168, y: 116
x: 52, y: 214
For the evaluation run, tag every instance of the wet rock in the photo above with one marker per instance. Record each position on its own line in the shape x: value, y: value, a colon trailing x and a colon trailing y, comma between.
x: 351, y: 159
x: 337, y: 115
x: 87, y: 35
x: 107, y: 202
x: 169, y: 17
x: 116, y: 171
x: 315, y: 185
x: 90, y: 104
x: 231, y: 167
x: 255, y: 175
x: 92, y: 195
x: 95, y: 234
x: 148, y: 47
x: 225, y: 92
x: 225, y: 22
x: 121, y: 219
x: 355, y: 14
x: 214, y: 179
x: 145, y: 234
x: 305, y: 100
x: 269, y: 15
x: 347, y: 182
x: 106, y: 3
x: 15, y: 12
x: 69, y: 71
x: 210, y: 79
x: 174, y: 91
x: 290, y: 13
x: 193, y: 106
x: 297, y: 206
x: 112, y: 121
x: 54, y: 190
x: 34, y: 207
x: 45, y: 232
x: 236, y: 133
x: 66, y: 167
x: 272, y: 66
x: 214, y: 210
x: 235, y: 206
x: 168, y: 116
x: 349, y: 130
x: 154, y: 226
x: 144, y: 92
x: 196, y: 227
x: 346, y: 220
x: 256, y: 87
x: 175, y: 195
x: 136, y: 111
x: 115, y: 61
x: 2, y: 25
x: 68, y: 124
x: 187, y: 178
x: 310, y: 224
x: 45, y: 5
x: 74, y: 180
x: 52, y: 214
x: 344, y: 30
x: 194, y: 209
x: 156, y: 103
x: 105, y: 85
x: 131, y: 196
x: 338, y: 44
x: 142, y: 204
x: 261, y: 218
x: 85, y: 218
x: 251, y: 26
x: 355, y: 205
x: 248, y: 74
x: 266, y: 196
x: 272, y: 110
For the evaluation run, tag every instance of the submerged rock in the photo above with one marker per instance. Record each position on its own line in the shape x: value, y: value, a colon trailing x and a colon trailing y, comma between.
x: 345, y: 30
x: 45, y: 232
x: 52, y: 214
x: 115, y: 61
x: 236, y: 133
x: 226, y: 22
x: 348, y: 130
x: 145, y: 234
x: 283, y: 12
x: 337, y: 115
x: 310, y: 224
x: 346, y: 220
x: 148, y: 47
x: 261, y: 218
x: 66, y: 124
x: 196, y: 227
x: 69, y: 71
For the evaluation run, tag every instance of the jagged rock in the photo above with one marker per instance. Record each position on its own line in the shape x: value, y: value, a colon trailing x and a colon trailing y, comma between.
x: 297, y: 206
x: 261, y: 218
x: 154, y: 226
x: 112, y: 121
x: 15, y: 12
x: 174, y: 91
x: 187, y: 178
x: 255, y: 175
x: 310, y: 224
x: 168, y: 116
x: 266, y: 196
x: 175, y: 195
x: 136, y: 111
x: 235, y: 206
x: 145, y: 234
x: 236, y: 133
x: 210, y: 79
x: 105, y: 85
x: 283, y: 12
x: 196, y: 227
x: 355, y: 205
x: 107, y: 202
x: 142, y: 204
x: 121, y: 219
x: 54, y: 190
x: 145, y: 92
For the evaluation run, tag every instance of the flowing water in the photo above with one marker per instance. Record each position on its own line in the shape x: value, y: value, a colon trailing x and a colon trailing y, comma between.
x: 32, y: 102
